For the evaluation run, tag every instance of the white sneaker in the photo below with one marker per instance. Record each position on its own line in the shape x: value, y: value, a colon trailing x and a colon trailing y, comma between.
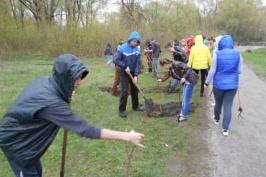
x: 216, y: 122
x: 181, y: 118
x: 225, y: 132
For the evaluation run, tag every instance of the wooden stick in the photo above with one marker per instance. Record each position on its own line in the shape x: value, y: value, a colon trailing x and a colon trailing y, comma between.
x: 129, y: 160
x: 141, y: 92
x: 63, y: 158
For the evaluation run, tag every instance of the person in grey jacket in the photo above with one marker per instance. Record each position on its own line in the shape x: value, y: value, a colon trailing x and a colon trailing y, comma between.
x: 30, y: 125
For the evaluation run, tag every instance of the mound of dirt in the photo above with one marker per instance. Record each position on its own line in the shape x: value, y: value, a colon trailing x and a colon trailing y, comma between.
x: 151, y: 90
x: 156, y: 109
x: 165, y: 109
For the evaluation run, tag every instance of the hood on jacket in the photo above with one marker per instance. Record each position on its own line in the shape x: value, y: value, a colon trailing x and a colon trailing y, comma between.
x: 134, y: 36
x: 67, y: 68
x: 198, y: 40
x: 217, y: 40
x: 226, y: 42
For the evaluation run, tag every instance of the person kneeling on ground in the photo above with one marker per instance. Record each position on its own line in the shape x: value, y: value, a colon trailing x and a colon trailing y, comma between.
x: 128, y: 59
x: 186, y: 76
x: 225, y: 70
x: 31, y: 124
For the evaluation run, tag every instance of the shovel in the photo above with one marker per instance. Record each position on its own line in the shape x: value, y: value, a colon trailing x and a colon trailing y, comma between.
x: 138, y: 87
x: 150, y: 106
x: 148, y: 102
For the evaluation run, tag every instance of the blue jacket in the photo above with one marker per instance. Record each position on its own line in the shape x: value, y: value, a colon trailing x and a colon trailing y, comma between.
x: 228, y: 59
x: 128, y: 56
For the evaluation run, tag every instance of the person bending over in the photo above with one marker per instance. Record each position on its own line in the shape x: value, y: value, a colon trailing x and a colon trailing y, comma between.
x: 31, y: 124
x: 186, y: 76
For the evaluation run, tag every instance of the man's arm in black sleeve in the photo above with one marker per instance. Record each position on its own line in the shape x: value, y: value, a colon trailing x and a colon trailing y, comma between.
x: 61, y: 115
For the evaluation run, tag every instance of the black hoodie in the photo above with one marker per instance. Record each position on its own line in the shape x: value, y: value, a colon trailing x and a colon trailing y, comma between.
x: 32, y: 122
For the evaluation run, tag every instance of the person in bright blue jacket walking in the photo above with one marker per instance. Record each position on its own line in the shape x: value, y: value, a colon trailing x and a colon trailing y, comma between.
x: 128, y: 60
x: 225, y: 70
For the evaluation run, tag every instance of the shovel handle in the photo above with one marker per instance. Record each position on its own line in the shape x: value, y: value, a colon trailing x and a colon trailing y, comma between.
x: 141, y: 92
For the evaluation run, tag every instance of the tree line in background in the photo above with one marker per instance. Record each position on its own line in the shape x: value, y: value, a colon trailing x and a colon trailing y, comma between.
x: 84, y: 27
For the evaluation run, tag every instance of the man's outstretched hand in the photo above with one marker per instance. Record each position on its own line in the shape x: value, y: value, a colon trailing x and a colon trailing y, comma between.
x: 132, y: 137
x: 135, y: 138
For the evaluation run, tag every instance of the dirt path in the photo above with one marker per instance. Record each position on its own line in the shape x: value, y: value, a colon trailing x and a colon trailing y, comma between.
x: 243, y: 152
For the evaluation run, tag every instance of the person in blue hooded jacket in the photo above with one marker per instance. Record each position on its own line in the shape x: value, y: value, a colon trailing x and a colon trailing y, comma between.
x: 225, y: 70
x: 30, y: 125
x: 128, y: 60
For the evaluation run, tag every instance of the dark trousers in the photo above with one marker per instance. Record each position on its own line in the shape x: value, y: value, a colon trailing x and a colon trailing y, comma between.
x: 203, y: 76
x: 224, y: 98
x: 34, y: 170
x: 125, y: 81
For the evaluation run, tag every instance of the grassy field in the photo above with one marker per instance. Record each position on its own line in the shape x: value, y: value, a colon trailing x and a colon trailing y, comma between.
x: 168, y: 148
x: 258, y: 60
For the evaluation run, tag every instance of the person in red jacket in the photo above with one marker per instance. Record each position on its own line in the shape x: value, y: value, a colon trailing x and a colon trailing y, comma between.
x: 190, y: 44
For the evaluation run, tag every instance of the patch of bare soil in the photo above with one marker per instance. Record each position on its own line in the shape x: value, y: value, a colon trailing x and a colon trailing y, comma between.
x: 108, y: 90
x: 155, y: 89
x: 164, y: 109
x: 161, y: 89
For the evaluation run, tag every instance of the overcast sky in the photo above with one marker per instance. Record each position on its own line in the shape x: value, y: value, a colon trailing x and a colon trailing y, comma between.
x: 113, y: 6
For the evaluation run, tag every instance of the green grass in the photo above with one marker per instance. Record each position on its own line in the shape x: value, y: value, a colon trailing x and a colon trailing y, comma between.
x: 97, y: 158
x: 258, y: 60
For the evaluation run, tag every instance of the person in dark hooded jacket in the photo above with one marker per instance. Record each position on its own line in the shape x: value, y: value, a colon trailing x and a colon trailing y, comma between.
x: 178, y: 53
x: 30, y: 125
x: 109, y: 53
x: 128, y: 60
